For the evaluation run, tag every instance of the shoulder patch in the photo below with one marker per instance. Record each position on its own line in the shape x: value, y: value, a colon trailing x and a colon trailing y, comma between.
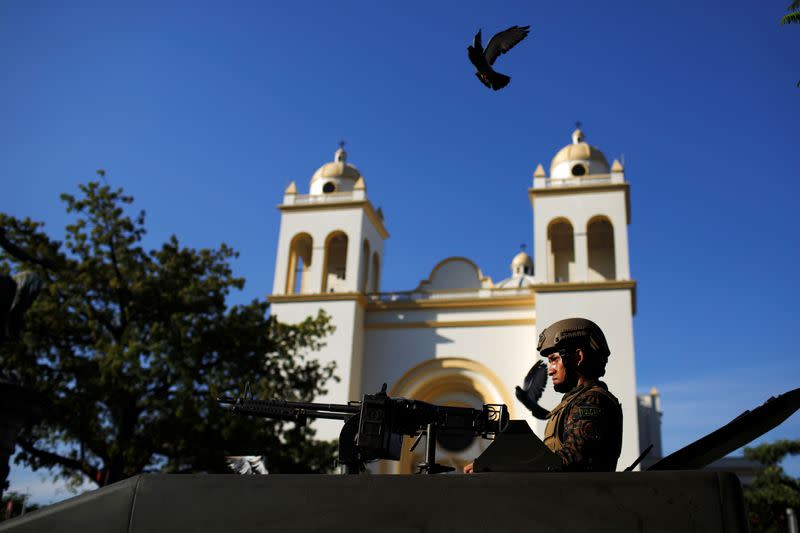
x: 589, y: 413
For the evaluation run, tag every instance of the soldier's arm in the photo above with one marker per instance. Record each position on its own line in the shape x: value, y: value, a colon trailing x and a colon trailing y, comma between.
x: 588, y: 431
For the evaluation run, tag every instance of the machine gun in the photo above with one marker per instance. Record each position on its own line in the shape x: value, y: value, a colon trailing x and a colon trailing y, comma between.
x: 375, y: 426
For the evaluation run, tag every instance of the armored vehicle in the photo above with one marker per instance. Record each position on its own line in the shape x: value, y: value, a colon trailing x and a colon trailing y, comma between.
x: 515, y: 491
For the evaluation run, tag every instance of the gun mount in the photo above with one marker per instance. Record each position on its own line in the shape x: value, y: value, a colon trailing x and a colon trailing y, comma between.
x: 374, y: 427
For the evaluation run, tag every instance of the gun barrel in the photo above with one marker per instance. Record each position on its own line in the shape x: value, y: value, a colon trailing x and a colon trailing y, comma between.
x: 375, y: 426
x: 291, y: 411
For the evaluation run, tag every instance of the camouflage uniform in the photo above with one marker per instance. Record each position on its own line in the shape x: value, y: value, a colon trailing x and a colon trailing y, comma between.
x: 585, y: 429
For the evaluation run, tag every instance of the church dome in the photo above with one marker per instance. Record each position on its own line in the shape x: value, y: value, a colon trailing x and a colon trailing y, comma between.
x: 335, y: 176
x: 521, y: 273
x: 522, y: 264
x: 578, y: 159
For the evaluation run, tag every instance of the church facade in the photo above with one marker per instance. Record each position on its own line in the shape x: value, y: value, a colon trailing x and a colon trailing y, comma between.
x: 459, y: 338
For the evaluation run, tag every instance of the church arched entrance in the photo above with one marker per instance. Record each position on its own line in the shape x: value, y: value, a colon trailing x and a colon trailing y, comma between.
x: 452, y: 381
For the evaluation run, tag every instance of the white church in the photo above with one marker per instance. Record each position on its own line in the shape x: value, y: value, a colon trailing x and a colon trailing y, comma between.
x: 459, y: 338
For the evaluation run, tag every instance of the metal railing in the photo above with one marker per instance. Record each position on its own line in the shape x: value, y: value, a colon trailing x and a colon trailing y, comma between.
x: 575, y: 181
x: 329, y: 198
x: 404, y: 296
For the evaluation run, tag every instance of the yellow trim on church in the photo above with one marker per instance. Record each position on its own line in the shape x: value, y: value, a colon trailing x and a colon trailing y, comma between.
x: 589, y: 188
x: 453, y: 303
x: 591, y: 286
x: 584, y: 286
x: 452, y: 323
x: 326, y: 297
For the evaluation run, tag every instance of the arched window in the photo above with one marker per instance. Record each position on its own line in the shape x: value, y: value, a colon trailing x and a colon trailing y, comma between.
x: 364, y: 267
x: 560, y: 251
x: 299, y: 264
x: 600, y: 241
x: 376, y: 272
x: 335, y: 271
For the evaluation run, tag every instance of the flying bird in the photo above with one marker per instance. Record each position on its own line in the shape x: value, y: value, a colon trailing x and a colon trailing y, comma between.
x: 16, y: 296
x: 498, y: 45
x: 532, y: 389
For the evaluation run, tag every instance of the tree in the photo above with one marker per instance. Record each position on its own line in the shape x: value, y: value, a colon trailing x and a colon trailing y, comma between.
x: 132, y: 346
x: 793, y: 17
x: 772, y: 491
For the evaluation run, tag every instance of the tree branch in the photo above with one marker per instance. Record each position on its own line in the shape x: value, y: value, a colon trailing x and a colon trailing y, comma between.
x: 94, y: 314
x: 55, y: 459
x: 22, y: 255
x: 121, y: 291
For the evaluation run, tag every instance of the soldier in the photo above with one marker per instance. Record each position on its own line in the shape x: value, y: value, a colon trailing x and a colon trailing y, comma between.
x: 585, y: 429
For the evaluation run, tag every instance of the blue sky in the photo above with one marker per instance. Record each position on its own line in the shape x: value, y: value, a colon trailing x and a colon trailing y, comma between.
x: 205, y: 111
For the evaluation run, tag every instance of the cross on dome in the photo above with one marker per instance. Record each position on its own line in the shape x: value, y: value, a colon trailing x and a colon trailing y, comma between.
x: 578, y: 158
x: 341, y: 155
x: 577, y: 135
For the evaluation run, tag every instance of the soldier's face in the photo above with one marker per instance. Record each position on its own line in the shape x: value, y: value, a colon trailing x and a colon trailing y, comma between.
x: 563, y: 378
x: 557, y: 371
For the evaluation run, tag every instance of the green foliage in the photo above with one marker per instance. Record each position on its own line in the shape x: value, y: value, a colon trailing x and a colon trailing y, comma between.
x: 132, y: 347
x: 772, y: 454
x: 18, y: 503
x: 794, y: 16
x: 772, y: 491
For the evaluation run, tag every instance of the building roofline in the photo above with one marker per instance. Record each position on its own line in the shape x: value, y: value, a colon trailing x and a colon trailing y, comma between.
x: 366, y: 205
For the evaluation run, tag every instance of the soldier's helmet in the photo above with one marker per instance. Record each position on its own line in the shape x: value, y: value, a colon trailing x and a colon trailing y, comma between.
x: 571, y: 332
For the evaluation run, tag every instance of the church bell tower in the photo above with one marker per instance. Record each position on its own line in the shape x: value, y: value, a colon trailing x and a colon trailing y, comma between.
x: 330, y: 250
x: 581, y: 213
